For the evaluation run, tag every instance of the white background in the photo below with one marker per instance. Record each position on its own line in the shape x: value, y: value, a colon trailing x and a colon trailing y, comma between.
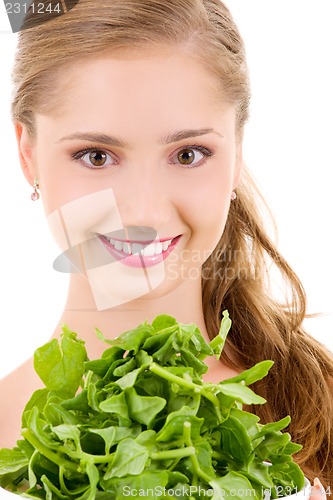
x: 288, y: 146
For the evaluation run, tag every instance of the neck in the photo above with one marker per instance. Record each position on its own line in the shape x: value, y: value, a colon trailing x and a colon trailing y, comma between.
x: 80, y: 314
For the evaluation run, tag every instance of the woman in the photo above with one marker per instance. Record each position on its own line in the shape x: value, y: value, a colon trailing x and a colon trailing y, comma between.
x: 129, y: 119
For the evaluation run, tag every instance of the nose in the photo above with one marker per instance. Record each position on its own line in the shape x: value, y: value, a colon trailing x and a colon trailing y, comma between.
x: 143, y: 198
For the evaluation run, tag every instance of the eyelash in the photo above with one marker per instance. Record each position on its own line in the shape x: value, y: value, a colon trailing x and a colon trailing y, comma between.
x: 207, y: 153
x: 80, y: 154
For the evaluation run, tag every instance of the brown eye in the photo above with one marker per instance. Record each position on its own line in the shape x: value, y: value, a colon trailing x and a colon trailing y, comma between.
x: 94, y: 158
x: 97, y: 158
x: 186, y: 156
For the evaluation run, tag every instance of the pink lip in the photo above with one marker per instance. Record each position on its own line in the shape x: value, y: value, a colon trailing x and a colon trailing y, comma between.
x: 137, y: 260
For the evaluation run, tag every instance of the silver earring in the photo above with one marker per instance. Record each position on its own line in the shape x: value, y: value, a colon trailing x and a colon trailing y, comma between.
x: 233, y: 195
x: 35, y: 193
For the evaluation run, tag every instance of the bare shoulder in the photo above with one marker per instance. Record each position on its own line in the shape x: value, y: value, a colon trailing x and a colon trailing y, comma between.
x: 218, y: 371
x: 15, y: 390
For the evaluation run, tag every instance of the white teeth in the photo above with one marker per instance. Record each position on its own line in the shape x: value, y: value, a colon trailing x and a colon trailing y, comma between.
x: 137, y: 248
x: 158, y: 248
x: 149, y: 250
x: 127, y: 248
x: 165, y: 244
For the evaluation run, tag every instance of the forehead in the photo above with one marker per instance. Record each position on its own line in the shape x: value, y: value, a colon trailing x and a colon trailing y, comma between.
x: 127, y: 89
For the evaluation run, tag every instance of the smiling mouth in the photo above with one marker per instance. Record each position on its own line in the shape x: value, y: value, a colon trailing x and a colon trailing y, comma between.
x: 145, y: 249
x: 134, y: 253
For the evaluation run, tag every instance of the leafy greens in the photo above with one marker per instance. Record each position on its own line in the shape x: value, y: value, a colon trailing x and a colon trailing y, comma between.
x: 140, y: 421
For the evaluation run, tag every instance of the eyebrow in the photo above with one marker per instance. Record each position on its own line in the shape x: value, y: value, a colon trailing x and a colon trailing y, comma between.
x: 120, y: 143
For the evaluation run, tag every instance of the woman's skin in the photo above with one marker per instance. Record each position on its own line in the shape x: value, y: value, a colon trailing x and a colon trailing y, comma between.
x: 139, y: 99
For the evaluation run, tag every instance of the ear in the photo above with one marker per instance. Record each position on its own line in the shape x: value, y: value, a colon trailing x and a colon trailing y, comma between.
x: 26, y: 152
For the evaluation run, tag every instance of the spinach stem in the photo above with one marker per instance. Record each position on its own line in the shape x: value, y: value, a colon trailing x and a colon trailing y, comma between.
x: 187, y: 384
x: 81, y: 455
x: 216, y: 342
x: 77, y: 491
x: 158, y: 370
x: 178, y: 453
x: 213, y: 399
x: 54, y: 457
x: 194, y: 458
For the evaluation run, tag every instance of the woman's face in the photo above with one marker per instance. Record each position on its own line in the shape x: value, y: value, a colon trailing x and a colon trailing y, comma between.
x: 139, y: 149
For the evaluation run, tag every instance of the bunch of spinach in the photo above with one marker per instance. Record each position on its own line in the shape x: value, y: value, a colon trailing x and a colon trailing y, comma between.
x: 140, y: 421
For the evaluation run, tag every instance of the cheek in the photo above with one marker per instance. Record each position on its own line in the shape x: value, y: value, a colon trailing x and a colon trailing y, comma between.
x: 60, y: 183
x: 82, y: 218
x: 212, y: 220
x: 206, y: 212
x: 212, y: 202
x: 55, y: 185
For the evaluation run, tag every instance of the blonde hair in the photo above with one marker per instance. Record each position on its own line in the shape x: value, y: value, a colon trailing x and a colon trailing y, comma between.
x: 235, y: 276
